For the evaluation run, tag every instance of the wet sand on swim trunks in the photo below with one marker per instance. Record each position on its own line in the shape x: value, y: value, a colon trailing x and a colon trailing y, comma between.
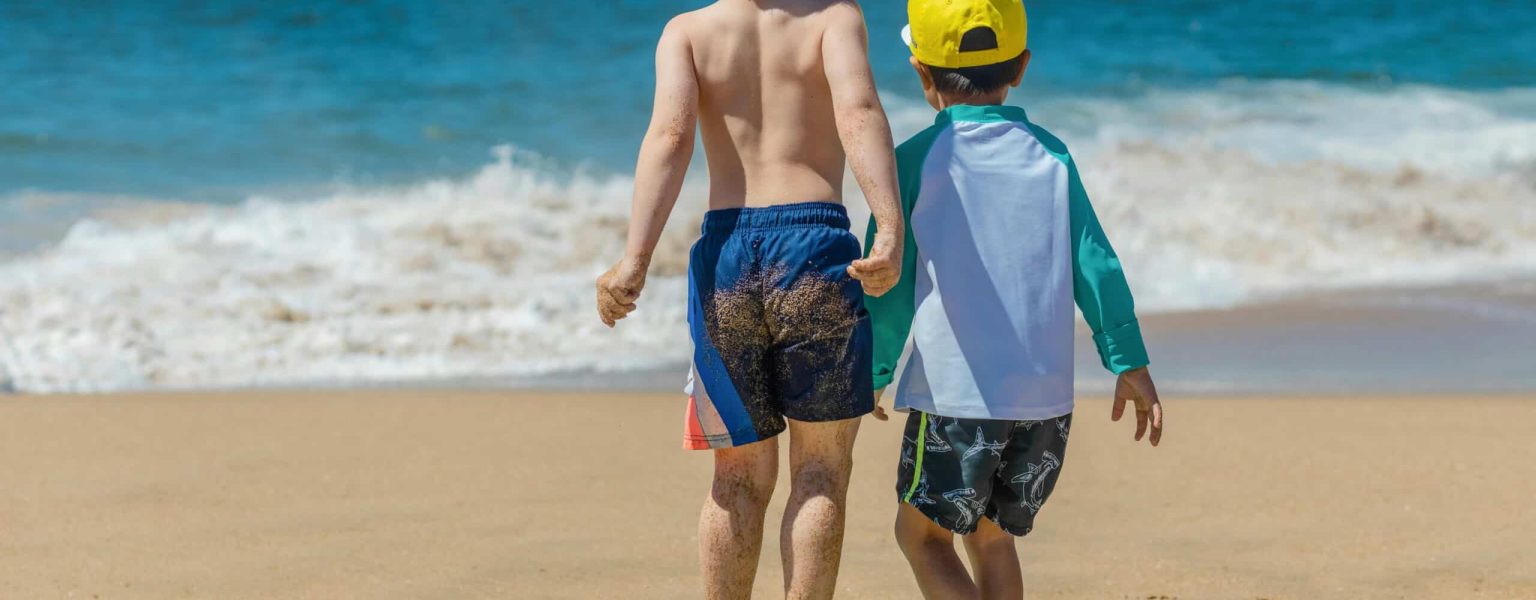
x: 432, y: 494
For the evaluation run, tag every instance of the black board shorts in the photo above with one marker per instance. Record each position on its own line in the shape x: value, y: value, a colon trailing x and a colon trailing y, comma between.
x: 956, y: 471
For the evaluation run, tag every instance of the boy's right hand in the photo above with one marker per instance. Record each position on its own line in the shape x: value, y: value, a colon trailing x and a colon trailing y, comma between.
x: 881, y: 270
x: 618, y: 289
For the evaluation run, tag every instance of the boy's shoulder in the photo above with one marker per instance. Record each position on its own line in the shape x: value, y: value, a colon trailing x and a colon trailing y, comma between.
x: 1052, y: 144
x: 844, y: 12
x: 684, y: 21
x: 917, y: 146
x: 700, y: 20
x: 920, y: 142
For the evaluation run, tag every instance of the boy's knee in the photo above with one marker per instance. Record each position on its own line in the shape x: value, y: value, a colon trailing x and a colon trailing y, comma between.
x: 742, y: 489
x: 988, y: 537
x: 920, y: 545
x: 745, y: 477
x: 992, y: 549
x: 917, y: 536
x: 821, y: 479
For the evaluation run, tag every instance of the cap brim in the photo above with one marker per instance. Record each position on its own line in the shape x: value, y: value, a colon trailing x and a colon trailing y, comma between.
x: 906, y: 35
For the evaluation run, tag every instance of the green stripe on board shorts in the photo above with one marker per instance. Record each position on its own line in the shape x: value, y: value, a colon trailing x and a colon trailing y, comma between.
x: 956, y: 471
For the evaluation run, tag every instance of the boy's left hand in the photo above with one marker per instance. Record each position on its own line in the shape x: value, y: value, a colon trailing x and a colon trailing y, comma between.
x: 1136, y: 385
x: 879, y: 412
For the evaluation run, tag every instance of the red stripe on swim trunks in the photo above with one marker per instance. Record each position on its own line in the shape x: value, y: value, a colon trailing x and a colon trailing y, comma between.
x: 693, y: 432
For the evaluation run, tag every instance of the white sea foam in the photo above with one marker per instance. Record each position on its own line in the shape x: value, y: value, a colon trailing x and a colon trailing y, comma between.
x: 491, y: 276
x: 1212, y: 198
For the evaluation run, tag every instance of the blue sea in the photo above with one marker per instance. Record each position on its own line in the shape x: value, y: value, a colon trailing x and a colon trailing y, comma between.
x: 229, y: 194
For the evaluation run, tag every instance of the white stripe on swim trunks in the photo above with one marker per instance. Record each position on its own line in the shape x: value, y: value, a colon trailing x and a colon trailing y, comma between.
x: 709, y: 418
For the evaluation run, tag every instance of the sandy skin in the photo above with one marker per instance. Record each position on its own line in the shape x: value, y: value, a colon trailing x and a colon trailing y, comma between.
x: 468, y: 495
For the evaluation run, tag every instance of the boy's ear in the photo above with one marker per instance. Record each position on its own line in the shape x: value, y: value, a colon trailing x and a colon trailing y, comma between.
x: 1023, y: 66
x: 922, y: 73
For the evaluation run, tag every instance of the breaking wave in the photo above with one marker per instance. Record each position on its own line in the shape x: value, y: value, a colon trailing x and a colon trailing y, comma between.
x: 1212, y: 197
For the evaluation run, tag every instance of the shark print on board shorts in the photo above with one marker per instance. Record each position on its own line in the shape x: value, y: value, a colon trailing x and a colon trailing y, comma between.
x: 958, y: 471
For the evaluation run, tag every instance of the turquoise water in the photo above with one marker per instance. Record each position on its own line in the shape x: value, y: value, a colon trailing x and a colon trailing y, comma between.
x: 209, y: 101
x: 231, y: 194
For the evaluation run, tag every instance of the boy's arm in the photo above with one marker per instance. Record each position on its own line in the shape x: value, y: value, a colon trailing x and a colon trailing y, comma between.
x: 664, y: 157
x: 890, y: 315
x: 1101, y: 291
x: 866, y: 137
x: 1100, y: 288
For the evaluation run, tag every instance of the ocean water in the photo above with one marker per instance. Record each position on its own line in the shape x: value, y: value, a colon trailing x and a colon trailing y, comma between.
x: 228, y: 194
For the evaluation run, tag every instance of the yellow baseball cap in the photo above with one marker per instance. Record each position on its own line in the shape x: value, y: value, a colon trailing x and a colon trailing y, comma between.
x: 936, y: 27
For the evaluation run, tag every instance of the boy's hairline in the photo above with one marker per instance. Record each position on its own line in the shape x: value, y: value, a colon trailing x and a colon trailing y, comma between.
x: 1001, y: 62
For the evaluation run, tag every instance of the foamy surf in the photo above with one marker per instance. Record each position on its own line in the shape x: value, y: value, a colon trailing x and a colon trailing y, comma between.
x: 491, y: 276
x: 1212, y: 197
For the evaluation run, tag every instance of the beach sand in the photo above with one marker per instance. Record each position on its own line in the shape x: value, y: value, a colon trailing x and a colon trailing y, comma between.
x: 531, y: 495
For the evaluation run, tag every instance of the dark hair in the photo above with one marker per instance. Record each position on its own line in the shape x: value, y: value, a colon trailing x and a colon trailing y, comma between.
x: 985, y: 79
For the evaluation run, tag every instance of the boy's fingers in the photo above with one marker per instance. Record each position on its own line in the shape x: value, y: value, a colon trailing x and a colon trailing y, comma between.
x: 864, y: 272
x: 876, y: 282
x: 602, y: 308
x: 618, y: 294
x: 865, y: 264
x: 873, y: 283
x: 618, y: 311
x: 874, y: 268
x: 1157, y: 424
x: 610, y: 311
x: 1141, y: 424
x: 1119, y: 410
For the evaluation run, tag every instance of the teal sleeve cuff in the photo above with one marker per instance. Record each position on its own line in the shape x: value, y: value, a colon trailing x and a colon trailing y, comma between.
x: 1121, y: 348
x: 883, y: 377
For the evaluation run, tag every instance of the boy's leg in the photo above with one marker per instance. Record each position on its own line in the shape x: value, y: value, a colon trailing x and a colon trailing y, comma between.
x: 811, y: 538
x: 930, y: 550
x: 731, y: 523
x: 995, y: 561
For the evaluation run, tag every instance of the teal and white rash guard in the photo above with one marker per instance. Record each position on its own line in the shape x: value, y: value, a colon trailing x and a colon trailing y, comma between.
x: 1001, y: 240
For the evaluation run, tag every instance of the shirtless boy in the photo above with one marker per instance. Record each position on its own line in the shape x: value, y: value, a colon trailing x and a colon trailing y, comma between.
x: 783, y: 94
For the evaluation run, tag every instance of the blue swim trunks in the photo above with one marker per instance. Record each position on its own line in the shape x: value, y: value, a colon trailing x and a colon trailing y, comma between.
x: 779, y: 328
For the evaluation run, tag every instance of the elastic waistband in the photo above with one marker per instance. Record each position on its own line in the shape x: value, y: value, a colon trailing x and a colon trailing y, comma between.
x: 802, y: 214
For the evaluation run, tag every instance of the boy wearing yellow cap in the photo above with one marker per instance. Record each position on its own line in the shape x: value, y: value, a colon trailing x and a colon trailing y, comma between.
x: 977, y: 337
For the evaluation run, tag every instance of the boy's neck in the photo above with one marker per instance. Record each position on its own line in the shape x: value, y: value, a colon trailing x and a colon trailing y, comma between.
x: 992, y: 99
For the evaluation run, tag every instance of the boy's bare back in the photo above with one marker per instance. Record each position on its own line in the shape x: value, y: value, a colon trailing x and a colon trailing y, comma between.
x: 767, y: 72
x: 783, y: 94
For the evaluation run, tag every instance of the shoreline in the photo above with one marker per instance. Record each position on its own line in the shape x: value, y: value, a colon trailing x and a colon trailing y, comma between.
x: 1430, y: 339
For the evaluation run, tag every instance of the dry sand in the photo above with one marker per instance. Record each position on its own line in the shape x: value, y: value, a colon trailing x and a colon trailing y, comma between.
x: 522, y: 495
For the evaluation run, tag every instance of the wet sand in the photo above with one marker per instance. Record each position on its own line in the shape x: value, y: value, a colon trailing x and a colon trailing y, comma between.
x: 1452, y: 339
x: 438, y: 494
